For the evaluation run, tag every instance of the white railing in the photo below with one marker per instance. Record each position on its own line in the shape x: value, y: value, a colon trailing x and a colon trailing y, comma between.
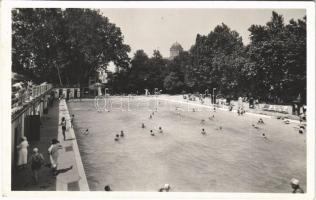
x: 40, y: 89
x: 25, y: 98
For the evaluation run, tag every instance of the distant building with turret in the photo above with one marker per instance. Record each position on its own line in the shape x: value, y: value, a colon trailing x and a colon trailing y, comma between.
x: 175, y: 50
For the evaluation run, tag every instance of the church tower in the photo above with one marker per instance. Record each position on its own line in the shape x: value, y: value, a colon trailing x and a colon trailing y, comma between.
x: 175, y: 50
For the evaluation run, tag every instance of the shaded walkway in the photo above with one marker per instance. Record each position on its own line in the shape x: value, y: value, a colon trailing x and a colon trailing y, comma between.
x: 22, y: 179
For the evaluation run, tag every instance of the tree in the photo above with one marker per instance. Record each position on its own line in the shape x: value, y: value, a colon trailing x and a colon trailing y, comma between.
x: 138, y: 78
x: 277, y: 54
x: 177, y: 69
x: 65, y: 45
x: 35, y: 34
x: 157, y: 70
x: 217, y: 60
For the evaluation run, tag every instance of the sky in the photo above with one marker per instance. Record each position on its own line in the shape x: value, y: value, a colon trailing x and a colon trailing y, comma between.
x: 151, y: 29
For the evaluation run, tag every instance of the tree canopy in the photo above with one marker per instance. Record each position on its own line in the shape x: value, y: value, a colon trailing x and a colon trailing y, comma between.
x: 65, y: 46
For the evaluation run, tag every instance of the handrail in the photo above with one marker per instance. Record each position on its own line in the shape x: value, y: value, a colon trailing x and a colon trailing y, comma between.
x: 27, y: 101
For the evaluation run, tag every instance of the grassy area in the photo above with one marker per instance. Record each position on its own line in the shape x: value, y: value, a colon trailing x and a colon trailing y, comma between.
x: 234, y: 159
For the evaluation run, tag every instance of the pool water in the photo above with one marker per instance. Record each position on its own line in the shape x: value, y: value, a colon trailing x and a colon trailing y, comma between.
x: 234, y: 159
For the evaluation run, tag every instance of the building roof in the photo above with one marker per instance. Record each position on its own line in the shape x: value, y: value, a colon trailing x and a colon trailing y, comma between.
x: 176, y: 46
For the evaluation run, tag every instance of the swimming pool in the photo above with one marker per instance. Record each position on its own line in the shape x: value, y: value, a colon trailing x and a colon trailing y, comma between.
x: 234, y: 159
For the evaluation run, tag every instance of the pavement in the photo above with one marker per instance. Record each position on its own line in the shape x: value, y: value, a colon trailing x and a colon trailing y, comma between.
x: 254, y: 112
x: 71, y: 175
x: 22, y: 179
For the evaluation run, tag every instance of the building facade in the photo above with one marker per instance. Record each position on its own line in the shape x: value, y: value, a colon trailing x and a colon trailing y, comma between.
x: 175, y: 50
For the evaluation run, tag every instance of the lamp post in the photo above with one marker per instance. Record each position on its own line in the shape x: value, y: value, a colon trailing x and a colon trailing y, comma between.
x: 157, y: 92
x: 105, y: 96
x: 214, y: 95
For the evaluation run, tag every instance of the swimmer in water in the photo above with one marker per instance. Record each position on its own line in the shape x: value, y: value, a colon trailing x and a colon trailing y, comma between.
x: 160, y: 129
x: 86, y: 132
x: 301, y: 130
x: 117, y: 138
x: 122, y: 134
x: 263, y: 135
x: 256, y: 127
x: 295, y: 186
x: 287, y: 121
x: 152, y: 133
x: 260, y: 121
x: 107, y: 188
x: 165, y: 188
x: 212, y: 117
x: 203, y: 132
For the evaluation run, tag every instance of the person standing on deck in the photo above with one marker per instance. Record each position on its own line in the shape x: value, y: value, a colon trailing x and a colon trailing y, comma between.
x: 37, y: 161
x: 63, y: 127
x: 72, y: 120
x: 53, y: 152
x: 22, y: 154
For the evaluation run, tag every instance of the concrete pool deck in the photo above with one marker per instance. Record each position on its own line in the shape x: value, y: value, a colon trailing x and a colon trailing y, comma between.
x: 74, y: 179
x: 68, y: 179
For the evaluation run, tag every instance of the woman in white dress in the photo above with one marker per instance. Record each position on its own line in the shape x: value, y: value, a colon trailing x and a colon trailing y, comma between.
x: 22, y: 153
x: 54, y: 154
